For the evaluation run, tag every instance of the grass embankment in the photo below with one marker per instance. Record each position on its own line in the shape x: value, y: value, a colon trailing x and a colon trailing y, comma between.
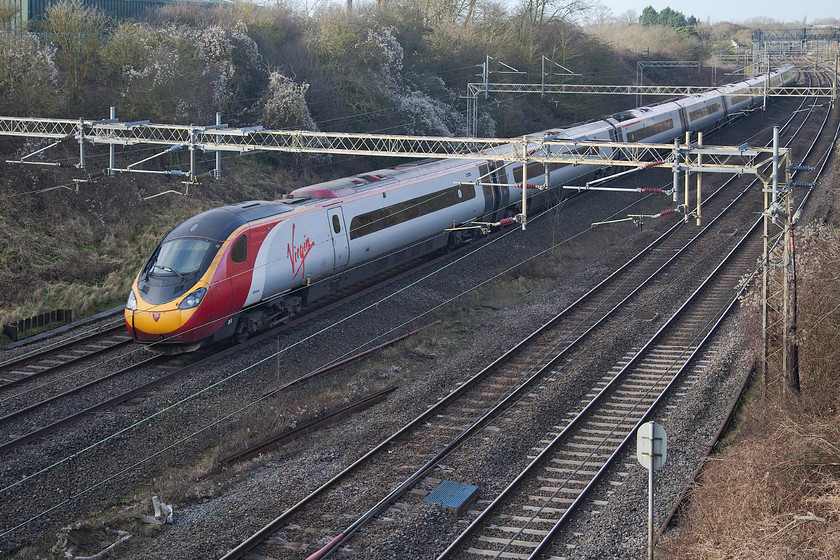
x: 774, y: 489
x: 80, y: 250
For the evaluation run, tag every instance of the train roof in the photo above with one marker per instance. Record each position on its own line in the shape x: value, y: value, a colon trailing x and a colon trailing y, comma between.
x: 219, y: 223
x: 348, y: 186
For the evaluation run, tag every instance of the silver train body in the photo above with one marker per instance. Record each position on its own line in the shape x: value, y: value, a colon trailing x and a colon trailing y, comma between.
x: 270, y: 257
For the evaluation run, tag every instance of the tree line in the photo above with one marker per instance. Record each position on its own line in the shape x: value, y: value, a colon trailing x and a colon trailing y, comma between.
x: 396, y: 66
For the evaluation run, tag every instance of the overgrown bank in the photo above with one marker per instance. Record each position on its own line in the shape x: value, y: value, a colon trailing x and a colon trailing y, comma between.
x: 773, y: 491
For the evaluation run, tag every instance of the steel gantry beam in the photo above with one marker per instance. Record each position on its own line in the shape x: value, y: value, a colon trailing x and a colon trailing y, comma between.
x: 474, y: 89
x: 688, y: 157
x: 221, y: 138
x: 629, y: 89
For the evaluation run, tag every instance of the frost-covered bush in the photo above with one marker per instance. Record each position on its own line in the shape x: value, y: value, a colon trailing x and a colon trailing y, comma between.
x: 158, y: 71
x: 423, y: 114
x: 234, y: 61
x: 285, y: 104
x: 28, y: 75
x: 183, y: 73
x: 363, y: 63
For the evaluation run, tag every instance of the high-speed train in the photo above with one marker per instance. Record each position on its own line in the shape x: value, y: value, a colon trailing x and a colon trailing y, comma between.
x: 232, y: 271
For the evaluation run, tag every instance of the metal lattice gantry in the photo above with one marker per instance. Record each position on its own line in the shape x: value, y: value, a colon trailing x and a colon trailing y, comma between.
x: 685, y: 157
x: 474, y: 89
x: 221, y: 138
x: 796, y: 40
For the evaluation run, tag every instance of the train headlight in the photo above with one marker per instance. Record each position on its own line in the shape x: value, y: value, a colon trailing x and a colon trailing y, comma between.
x: 193, y: 299
x: 131, y: 304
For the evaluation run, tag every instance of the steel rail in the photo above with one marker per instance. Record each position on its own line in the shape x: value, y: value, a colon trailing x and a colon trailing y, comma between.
x: 6, y: 368
x: 253, y: 541
x: 67, y: 420
x: 563, y: 436
x: 79, y: 388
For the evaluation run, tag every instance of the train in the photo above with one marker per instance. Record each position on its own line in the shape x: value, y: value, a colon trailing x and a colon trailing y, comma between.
x: 239, y: 269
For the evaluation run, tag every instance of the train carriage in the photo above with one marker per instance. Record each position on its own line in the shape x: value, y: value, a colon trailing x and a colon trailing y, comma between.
x: 235, y: 270
x: 702, y: 113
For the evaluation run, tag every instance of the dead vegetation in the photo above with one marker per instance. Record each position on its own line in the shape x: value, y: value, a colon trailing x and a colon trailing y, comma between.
x: 774, y: 490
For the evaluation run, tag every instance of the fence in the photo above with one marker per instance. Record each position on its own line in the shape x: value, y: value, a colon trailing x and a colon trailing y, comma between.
x: 14, y: 330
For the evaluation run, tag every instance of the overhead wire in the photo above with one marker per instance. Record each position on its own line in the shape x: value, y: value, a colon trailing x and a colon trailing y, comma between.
x: 305, y: 339
x: 272, y: 356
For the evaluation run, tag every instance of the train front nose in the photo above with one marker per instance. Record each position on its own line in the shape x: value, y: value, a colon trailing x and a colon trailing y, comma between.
x: 149, y: 323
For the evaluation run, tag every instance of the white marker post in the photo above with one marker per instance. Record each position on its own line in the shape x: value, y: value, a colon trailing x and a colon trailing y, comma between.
x: 651, y: 444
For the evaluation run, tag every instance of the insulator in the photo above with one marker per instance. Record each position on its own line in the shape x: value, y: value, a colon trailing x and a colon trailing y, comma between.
x: 666, y: 212
x: 653, y: 164
x: 531, y: 186
x: 799, y: 184
x: 506, y: 222
x: 655, y: 191
x: 801, y: 168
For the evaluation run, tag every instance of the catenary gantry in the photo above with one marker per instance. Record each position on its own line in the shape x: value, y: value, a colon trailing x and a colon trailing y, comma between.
x: 687, y: 157
x: 221, y: 138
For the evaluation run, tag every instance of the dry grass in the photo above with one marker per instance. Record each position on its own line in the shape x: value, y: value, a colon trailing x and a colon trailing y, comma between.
x: 81, y: 250
x: 774, y: 492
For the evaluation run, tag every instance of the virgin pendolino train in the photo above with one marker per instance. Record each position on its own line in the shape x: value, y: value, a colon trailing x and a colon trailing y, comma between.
x: 232, y: 271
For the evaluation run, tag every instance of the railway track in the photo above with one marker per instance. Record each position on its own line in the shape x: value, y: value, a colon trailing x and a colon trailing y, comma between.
x: 27, y: 416
x: 472, y: 407
x: 31, y: 429
x: 610, y: 301
x: 525, y: 518
x: 53, y: 357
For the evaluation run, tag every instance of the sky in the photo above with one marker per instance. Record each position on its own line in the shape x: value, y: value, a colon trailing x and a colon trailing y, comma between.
x: 735, y: 11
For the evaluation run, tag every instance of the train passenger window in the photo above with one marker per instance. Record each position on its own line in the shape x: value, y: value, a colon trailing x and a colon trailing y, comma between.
x: 239, y: 251
x: 383, y: 218
x: 336, y: 224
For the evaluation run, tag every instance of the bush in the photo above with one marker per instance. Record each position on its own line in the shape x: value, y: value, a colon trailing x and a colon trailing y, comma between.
x: 28, y: 75
x: 775, y: 490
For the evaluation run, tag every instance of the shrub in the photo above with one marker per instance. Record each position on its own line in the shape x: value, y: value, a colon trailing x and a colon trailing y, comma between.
x: 28, y: 75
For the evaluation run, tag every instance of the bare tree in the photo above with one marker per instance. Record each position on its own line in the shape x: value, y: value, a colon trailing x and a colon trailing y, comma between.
x: 77, y: 32
x: 546, y: 11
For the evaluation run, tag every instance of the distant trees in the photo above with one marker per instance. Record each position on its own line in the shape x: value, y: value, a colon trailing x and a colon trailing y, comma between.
x: 667, y: 17
x: 398, y: 65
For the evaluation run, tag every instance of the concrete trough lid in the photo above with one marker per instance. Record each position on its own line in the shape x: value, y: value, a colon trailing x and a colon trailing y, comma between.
x: 454, y: 496
x: 646, y: 315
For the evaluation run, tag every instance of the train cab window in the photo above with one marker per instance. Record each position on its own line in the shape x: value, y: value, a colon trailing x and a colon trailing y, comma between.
x: 336, y: 223
x: 181, y: 256
x: 239, y: 251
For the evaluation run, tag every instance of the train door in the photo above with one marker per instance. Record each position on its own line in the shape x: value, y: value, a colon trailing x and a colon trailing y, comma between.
x: 339, y: 236
x: 239, y: 270
x: 496, y: 193
x: 502, y: 192
x: 684, y: 124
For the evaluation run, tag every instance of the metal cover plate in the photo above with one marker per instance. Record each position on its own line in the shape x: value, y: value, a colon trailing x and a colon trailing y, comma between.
x: 452, y: 495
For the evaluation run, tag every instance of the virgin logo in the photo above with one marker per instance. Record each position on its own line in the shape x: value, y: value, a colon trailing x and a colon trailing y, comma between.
x: 297, y: 254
